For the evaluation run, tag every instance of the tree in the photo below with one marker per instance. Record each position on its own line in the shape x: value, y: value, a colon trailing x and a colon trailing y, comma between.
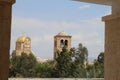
x: 71, y: 63
x: 82, y: 54
x: 68, y: 64
x: 81, y: 57
x: 90, y: 71
x: 97, y: 69
x: 23, y: 66
x: 62, y: 64
x: 43, y: 70
x: 99, y: 64
x: 101, y: 58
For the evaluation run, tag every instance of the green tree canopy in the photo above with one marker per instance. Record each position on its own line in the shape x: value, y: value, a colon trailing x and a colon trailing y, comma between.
x: 23, y: 66
x: 62, y: 63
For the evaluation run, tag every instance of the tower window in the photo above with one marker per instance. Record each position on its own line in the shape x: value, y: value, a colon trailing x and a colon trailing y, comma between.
x: 66, y: 42
x: 62, y: 43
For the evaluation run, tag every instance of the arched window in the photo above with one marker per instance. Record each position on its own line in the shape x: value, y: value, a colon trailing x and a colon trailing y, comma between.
x: 66, y: 42
x: 61, y: 43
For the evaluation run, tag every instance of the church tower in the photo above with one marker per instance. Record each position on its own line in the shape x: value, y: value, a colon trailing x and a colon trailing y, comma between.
x: 23, y: 44
x: 60, y: 40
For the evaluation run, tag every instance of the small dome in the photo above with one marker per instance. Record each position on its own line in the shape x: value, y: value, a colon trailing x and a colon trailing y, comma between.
x: 21, y: 39
x: 62, y: 34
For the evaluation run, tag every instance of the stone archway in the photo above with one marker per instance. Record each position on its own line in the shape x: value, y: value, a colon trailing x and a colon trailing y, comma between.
x: 112, y: 38
x: 5, y: 34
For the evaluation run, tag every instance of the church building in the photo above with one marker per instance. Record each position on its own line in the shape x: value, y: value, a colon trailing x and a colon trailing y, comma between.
x: 23, y: 45
x: 60, y: 40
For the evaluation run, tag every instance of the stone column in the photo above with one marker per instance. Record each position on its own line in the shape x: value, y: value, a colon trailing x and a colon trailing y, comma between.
x: 112, y: 47
x: 5, y: 33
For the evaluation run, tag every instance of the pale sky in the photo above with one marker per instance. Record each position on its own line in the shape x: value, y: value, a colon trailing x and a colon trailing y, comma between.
x: 41, y: 20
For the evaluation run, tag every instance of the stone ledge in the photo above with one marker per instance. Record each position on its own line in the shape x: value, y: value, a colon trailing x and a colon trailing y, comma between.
x: 111, y: 17
x: 56, y: 79
x: 7, y: 1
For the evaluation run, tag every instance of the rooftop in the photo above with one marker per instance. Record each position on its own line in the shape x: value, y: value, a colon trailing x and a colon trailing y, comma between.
x: 62, y: 34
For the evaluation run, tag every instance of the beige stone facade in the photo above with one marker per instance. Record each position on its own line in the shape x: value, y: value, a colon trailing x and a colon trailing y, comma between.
x: 60, y: 40
x: 112, y: 47
x: 23, y: 45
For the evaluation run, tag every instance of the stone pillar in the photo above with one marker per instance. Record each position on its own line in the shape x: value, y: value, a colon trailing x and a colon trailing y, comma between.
x: 5, y: 33
x: 112, y: 47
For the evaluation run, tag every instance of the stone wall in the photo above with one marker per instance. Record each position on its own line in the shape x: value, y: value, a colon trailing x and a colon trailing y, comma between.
x: 56, y: 79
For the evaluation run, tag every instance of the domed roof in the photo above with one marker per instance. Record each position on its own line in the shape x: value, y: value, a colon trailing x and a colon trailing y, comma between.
x: 62, y: 34
x: 21, y: 39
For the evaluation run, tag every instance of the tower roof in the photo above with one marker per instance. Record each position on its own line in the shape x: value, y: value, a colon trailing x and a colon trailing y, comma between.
x: 62, y: 34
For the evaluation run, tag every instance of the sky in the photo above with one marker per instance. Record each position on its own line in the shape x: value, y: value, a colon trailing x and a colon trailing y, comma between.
x: 41, y: 20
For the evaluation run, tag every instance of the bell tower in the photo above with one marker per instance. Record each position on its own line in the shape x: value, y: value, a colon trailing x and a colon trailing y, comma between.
x: 60, y: 40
